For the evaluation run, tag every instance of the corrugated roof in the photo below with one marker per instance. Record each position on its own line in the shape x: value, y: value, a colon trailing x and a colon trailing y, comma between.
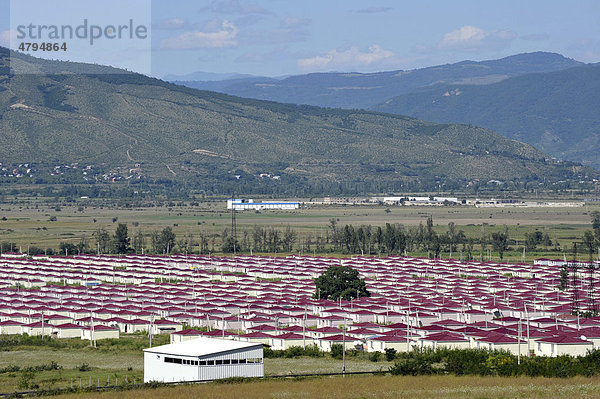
x: 201, y: 347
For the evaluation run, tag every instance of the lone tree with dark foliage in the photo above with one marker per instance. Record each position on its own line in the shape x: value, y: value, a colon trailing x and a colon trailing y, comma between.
x: 340, y: 282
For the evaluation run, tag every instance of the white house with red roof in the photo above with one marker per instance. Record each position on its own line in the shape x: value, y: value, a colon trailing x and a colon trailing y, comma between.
x: 289, y: 339
x: 444, y: 339
x: 566, y: 344
x: 185, y: 335
x: 67, y: 330
x: 99, y: 331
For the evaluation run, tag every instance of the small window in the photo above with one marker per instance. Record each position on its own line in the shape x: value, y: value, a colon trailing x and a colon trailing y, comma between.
x: 242, y: 361
x: 234, y: 361
x: 218, y: 362
x: 194, y: 362
x: 227, y: 361
x: 202, y: 362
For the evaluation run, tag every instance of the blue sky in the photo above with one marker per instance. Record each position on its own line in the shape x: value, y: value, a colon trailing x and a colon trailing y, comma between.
x: 283, y: 37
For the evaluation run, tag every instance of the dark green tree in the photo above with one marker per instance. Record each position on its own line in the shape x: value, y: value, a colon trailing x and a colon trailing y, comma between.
x: 596, y: 223
x: 67, y: 248
x: 340, y: 282
x: 102, y: 240
x: 121, y: 240
x: 500, y: 242
x: 564, y: 278
x: 163, y: 242
x: 167, y: 240
x: 138, y: 242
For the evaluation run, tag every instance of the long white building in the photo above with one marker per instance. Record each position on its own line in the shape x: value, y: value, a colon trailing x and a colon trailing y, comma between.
x: 203, y: 359
x: 249, y: 204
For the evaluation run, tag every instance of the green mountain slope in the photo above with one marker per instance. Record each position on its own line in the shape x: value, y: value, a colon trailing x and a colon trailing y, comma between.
x: 124, y: 124
x: 364, y: 90
x: 556, y: 112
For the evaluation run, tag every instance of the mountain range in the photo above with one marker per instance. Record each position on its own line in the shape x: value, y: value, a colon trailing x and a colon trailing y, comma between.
x: 557, y: 112
x: 115, y: 121
x: 542, y: 99
x: 365, y: 90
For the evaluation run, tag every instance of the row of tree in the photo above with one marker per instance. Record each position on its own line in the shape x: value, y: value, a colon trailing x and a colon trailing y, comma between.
x: 390, y: 239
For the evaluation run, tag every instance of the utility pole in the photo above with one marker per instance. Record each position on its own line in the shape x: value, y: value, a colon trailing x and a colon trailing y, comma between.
x: 519, y: 339
x: 150, y: 329
x: 233, y: 224
x: 574, y: 267
x: 344, y: 348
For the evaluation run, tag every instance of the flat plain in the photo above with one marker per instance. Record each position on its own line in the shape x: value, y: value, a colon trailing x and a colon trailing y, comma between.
x: 29, y: 224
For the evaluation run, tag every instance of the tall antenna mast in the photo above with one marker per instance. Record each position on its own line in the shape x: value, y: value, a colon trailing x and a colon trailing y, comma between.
x: 233, y: 223
x: 574, y: 267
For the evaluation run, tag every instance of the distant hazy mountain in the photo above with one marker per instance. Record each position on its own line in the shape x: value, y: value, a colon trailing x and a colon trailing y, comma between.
x: 208, y: 140
x: 206, y: 76
x: 364, y: 90
x: 557, y: 112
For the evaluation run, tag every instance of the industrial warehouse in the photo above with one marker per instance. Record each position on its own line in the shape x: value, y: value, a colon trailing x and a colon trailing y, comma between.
x: 203, y: 359
x: 249, y: 204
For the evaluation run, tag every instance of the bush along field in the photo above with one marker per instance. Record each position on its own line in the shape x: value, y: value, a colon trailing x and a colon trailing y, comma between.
x: 493, y: 363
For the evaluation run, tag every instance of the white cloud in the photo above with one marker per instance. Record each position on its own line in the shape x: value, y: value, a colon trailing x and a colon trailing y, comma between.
x: 224, y: 36
x: 471, y: 37
x: 374, y: 10
x: 170, y: 23
x: 235, y: 7
x: 352, y: 57
x: 5, y: 38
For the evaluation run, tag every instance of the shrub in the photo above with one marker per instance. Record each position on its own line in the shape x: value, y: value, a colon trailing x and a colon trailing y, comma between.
x: 561, y: 366
x: 414, y: 366
x: 467, y: 361
x: 26, y: 380
x: 83, y: 367
x: 294, y: 351
x: 503, y: 365
x: 375, y: 356
x: 337, y: 351
x: 390, y: 354
x: 10, y: 369
x: 270, y: 353
x: 313, y: 351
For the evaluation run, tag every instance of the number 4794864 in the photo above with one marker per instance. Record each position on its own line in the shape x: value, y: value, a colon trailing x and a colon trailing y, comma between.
x: 45, y: 46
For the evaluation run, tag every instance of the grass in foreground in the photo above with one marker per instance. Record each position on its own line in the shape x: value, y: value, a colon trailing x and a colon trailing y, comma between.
x: 375, y: 387
x: 104, y: 367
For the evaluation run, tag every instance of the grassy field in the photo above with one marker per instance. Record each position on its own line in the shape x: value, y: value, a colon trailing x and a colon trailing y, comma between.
x: 112, y: 361
x: 82, y: 367
x: 28, y: 224
x: 122, y: 360
x: 376, y: 387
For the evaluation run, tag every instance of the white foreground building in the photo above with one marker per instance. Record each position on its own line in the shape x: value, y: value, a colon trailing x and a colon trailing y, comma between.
x: 203, y: 359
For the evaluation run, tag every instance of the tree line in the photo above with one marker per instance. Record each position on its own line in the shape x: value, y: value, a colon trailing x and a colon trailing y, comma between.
x: 389, y: 239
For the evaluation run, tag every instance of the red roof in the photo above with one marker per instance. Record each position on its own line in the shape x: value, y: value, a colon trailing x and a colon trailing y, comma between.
x: 290, y: 335
x: 69, y: 326
x: 257, y: 334
x: 565, y: 340
x: 445, y: 336
x: 189, y: 331
x: 339, y: 338
x: 498, y: 338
